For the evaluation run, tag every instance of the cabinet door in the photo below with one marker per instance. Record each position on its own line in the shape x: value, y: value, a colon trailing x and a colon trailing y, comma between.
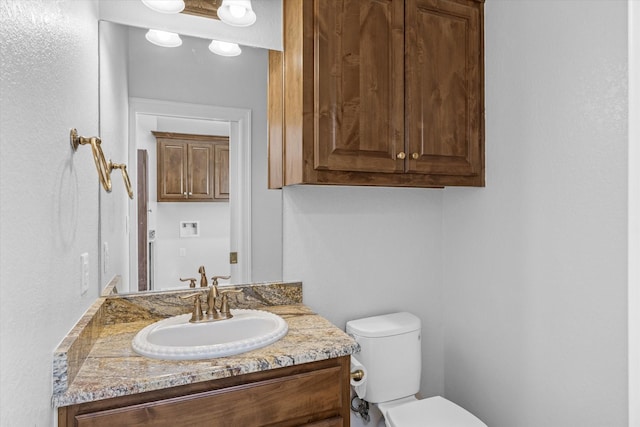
x: 172, y: 171
x: 315, y: 394
x: 221, y: 183
x: 200, y: 171
x: 359, y: 88
x: 443, y: 87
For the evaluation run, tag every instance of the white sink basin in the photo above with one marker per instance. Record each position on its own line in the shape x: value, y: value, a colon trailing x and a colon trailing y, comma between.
x: 177, y: 339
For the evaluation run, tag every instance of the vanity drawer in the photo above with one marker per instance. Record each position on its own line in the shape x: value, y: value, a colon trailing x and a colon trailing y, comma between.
x: 316, y: 397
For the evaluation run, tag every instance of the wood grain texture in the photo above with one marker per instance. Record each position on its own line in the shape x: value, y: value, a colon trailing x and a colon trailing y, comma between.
x: 187, y: 167
x: 143, y: 211
x: 275, y: 118
x: 202, y: 8
x: 364, y: 81
x: 443, y: 95
x: 359, y: 86
x: 298, y: 88
x: 172, y: 171
x: 221, y: 181
x: 200, y: 171
x: 314, y: 394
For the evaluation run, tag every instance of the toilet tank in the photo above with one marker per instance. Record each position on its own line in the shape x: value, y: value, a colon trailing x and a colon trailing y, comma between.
x: 391, y: 353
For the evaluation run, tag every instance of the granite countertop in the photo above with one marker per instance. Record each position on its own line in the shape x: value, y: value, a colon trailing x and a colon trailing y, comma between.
x: 95, y: 361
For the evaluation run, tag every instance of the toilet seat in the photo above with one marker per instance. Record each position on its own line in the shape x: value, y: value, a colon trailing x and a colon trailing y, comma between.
x: 432, y: 412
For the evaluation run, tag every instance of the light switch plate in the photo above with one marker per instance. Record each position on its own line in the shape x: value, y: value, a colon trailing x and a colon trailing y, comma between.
x: 105, y: 257
x: 84, y: 274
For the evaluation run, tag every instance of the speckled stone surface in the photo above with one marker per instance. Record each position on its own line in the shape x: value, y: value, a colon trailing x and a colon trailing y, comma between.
x: 111, y: 368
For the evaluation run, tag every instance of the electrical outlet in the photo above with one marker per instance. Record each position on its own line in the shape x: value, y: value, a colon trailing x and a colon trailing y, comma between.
x: 183, y: 251
x: 84, y: 275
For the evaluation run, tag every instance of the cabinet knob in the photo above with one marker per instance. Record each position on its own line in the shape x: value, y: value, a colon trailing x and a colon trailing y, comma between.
x: 184, y: 194
x: 190, y: 193
x: 415, y: 156
x: 401, y: 155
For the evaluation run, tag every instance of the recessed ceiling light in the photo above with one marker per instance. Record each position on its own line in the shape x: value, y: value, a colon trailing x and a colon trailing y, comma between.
x: 225, y: 48
x: 163, y: 38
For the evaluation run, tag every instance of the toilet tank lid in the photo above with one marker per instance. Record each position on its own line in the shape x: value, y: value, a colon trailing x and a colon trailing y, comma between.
x: 384, y: 325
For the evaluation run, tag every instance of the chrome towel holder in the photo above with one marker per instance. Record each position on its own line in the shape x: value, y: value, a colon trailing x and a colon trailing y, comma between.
x: 104, y: 168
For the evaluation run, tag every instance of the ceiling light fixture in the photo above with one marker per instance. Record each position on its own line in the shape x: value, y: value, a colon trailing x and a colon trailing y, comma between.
x: 225, y: 48
x: 238, y: 13
x: 163, y: 38
x: 165, y: 6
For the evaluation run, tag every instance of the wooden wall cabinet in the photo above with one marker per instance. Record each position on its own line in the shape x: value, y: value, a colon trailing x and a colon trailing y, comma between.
x: 312, y: 394
x: 192, y: 168
x: 374, y: 92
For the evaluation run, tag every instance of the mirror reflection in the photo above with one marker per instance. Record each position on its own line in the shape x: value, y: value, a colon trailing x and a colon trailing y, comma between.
x: 187, y: 91
x: 181, y: 221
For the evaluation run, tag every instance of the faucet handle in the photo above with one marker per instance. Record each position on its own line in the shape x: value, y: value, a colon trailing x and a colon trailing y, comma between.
x: 196, y: 316
x: 225, y: 312
x: 191, y: 280
x: 214, y: 279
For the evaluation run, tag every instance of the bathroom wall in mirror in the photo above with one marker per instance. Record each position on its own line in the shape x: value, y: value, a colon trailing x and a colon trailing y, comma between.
x: 187, y: 89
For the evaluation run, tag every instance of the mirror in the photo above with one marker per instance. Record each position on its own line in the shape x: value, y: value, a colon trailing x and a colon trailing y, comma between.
x: 188, y: 90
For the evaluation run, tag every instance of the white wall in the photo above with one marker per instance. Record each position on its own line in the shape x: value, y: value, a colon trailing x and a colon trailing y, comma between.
x: 634, y: 214
x: 49, y: 194
x: 210, y: 248
x: 535, y: 264
x: 367, y: 251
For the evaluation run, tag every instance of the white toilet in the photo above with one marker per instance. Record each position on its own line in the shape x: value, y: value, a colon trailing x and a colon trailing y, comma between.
x: 391, y: 355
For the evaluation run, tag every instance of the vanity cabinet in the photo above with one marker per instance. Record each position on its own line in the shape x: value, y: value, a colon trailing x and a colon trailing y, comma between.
x: 311, y: 394
x: 192, y: 168
x: 387, y: 93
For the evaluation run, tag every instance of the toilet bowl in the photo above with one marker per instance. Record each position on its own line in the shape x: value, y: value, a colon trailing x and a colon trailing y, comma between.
x: 391, y: 353
x: 431, y: 412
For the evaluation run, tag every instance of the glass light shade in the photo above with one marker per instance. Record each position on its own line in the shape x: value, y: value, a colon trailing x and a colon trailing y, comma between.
x: 163, y: 38
x: 224, y: 48
x: 238, y: 13
x: 165, y: 6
